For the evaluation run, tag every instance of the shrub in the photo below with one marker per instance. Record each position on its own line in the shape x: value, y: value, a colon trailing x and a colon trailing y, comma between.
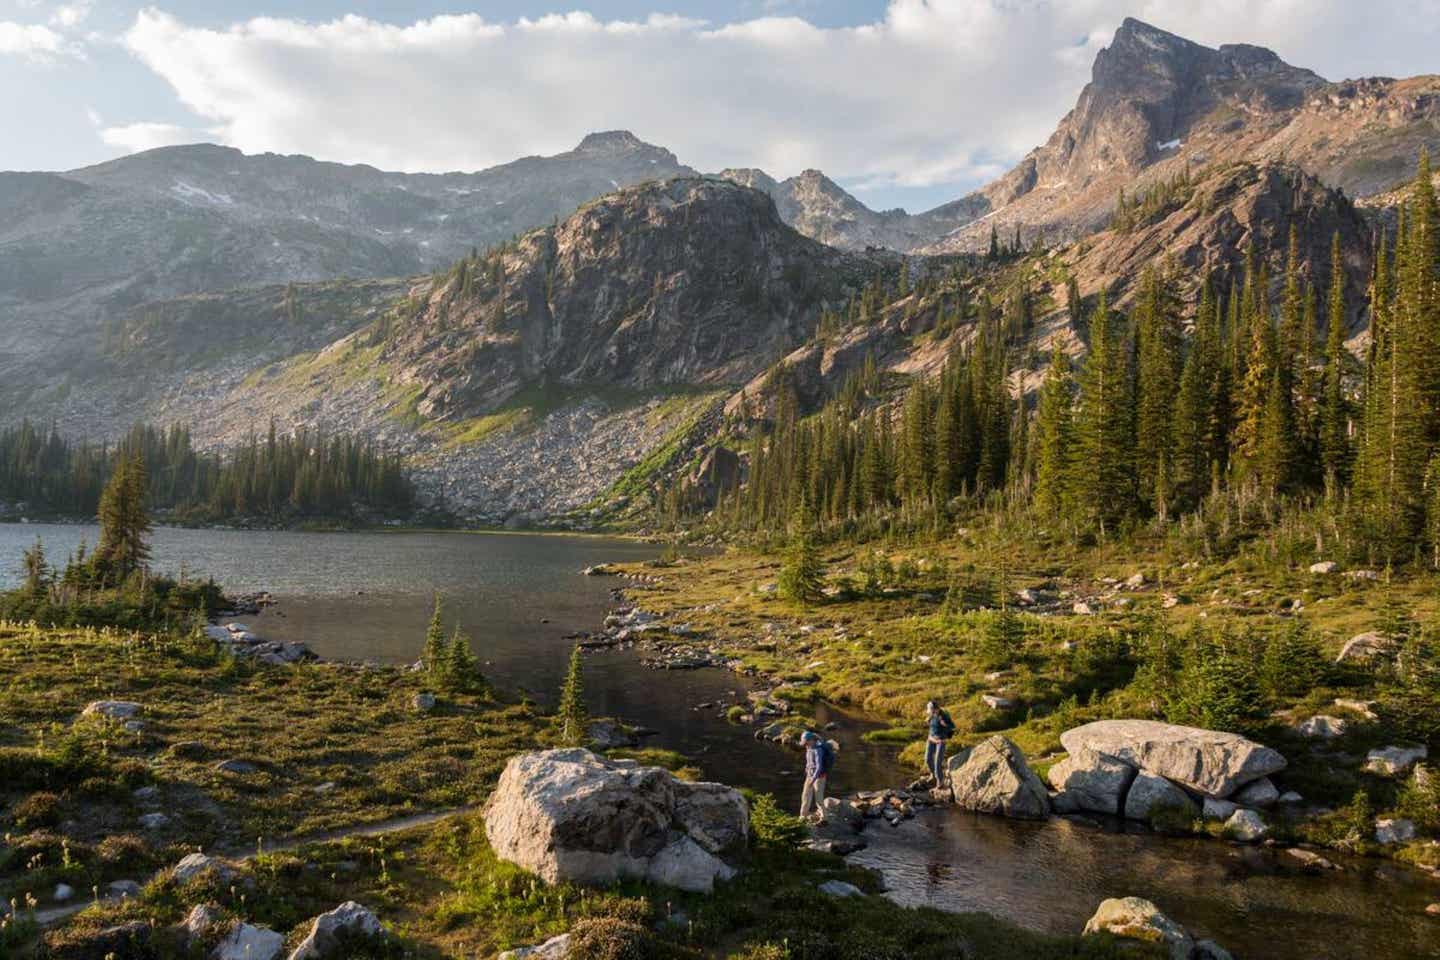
x: 40, y: 809
x: 773, y: 827
x: 610, y: 938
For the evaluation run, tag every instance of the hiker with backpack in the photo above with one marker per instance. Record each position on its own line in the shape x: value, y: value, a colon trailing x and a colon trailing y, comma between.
x: 942, y: 728
x: 819, y: 758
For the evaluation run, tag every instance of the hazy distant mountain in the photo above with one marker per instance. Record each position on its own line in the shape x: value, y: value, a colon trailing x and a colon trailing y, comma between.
x: 78, y: 250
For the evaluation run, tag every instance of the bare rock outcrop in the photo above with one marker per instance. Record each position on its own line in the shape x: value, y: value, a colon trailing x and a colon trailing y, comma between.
x: 1207, y: 762
x: 569, y: 815
x: 993, y: 777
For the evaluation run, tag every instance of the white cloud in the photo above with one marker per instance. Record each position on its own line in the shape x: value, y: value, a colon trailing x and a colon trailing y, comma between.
x: 938, y: 91
x: 32, y: 41
x: 133, y: 137
x: 70, y: 15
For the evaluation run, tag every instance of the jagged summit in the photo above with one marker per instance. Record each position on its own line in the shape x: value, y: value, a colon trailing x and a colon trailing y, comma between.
x: 1157, y: 102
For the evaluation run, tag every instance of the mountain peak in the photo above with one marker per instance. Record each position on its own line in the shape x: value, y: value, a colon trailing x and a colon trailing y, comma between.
x: 611, y: 141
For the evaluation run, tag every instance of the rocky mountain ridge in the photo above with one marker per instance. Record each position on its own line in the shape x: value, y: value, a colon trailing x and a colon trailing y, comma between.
x: 537, y: 376
x: 1158, y: 104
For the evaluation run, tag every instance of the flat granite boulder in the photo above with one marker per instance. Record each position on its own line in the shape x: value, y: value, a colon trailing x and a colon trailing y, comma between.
x: 1209, y: 762
x: 993, y: 777
x: 571, y: 815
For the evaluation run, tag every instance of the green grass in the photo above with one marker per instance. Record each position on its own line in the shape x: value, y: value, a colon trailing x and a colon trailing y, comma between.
x: 333, y: 745
x: 443, y: 893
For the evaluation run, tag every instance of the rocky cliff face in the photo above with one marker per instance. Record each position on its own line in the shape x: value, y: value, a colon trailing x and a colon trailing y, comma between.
x: 690, y: 281
x: 1158, y: 103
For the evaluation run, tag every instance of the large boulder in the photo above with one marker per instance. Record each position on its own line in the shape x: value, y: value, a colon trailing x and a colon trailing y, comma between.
x: 570, y: 815
x: 993, y: 777
x: 1089, y: 781
x: 1134, y: 918
x: 338, y: 933
x: 1150, y: 794
x: 1208, y: 762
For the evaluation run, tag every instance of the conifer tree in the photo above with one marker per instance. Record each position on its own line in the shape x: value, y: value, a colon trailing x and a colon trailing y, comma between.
x: 462, y: 670
x: 570, y: 714
x: 1104, y: 470
x: 1335, y: 405
x: 1196, y: 404
x: 802, y: 574
x: 435, y: 652
x: 1053, y: 433
x: 1159, y: 373
x: 124, y: 521
x: 37, y: 569
x: 1398, y: 426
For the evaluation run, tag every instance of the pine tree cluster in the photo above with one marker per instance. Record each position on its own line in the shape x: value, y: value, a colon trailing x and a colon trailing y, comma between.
x: 305, y: 474
x: 1262, y: 401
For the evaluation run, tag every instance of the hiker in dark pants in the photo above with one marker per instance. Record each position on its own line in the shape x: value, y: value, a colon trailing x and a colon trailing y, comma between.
x: 942, y: 728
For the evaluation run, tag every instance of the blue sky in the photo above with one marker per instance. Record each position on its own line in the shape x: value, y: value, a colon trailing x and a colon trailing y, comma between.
x: 906, y: 102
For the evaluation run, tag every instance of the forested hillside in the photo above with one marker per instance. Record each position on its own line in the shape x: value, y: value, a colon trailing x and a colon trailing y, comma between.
x: 1224, y: 415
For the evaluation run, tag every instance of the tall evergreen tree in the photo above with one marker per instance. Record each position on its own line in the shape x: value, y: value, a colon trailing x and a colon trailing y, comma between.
x: 1196, y: 404
x: 1159, y: 371
x: 1054, y: 435
x: 124, y: 521
x: 1104, y: 469
x: 1334, y: 403
x: 571, y: 716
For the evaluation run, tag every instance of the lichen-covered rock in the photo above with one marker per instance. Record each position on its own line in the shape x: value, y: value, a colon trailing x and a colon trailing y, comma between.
x: 556, y: 948
x: 570, y: 815
x: 1322, y: 727
x: 337, y: 933
x: 1209, y: 762
x: 1246, y: 825
x: 1389, y: 832
x: 194, y: 864
x: 1134, y: 918
x: 1089, y: 781
x: 1394, y: 761
x: 112, y: 709
x: 993, y: 777
x: 1366, y: 646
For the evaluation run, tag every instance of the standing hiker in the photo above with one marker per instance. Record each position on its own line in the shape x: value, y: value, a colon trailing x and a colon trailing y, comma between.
x: 942, y: 728
x: 819, y: 758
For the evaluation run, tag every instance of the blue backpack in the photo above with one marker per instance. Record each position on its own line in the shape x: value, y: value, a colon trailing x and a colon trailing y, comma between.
x: 825, y: 756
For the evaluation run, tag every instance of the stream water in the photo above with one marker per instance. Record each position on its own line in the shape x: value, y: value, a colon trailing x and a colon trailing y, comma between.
x: 368, y: 596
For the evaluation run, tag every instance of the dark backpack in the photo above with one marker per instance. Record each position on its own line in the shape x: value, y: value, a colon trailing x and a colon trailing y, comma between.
x: 825, y: 757
x: 947, y: 726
